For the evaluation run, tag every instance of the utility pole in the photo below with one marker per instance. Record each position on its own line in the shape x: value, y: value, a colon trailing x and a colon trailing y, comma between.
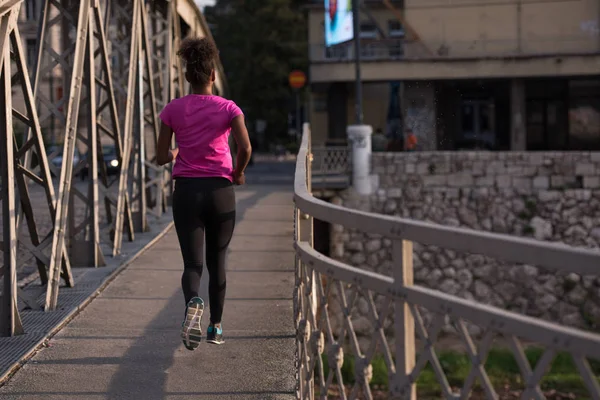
x: 358, y: 83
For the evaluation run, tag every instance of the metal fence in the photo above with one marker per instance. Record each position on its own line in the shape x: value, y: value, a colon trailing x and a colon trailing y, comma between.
x: 320, y: 350
x: 404, y: 49
x: 332, y: 166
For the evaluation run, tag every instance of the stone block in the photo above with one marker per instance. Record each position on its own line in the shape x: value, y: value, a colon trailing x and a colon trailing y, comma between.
x: 595, y: 156
x: 486, y: 181
x: 394, y: 192
x: 451, y: 193
x: 460, y: 180
x: 530, y: 170
x: 477, y: 169
x: 591, y: 182
x: 558, y: 181
x: 541, y: 182
x: 546, y: 196
x: 542, y: 228
x: 435, y: 180
x: 578, y: 194
x: 495, y: 168
x: 585, y: 169
x: 423, y: 168
x: 536, y: 159
x: 521, y: 182
x: 411, y: 168
x: 503, y: 181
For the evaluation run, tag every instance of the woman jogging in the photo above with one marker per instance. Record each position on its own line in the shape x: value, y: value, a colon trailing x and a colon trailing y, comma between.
x: 204, y: 197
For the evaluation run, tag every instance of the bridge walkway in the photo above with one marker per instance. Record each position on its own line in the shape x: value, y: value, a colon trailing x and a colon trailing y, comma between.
x: 125, y: 344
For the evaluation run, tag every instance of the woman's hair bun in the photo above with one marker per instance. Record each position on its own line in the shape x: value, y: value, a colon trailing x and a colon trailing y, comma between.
x: 197, y: 50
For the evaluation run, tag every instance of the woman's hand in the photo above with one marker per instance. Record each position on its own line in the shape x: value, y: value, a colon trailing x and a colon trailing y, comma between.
x: 239, y: 178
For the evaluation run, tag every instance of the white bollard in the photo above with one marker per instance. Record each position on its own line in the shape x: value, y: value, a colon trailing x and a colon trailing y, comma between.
x: 360, y: 137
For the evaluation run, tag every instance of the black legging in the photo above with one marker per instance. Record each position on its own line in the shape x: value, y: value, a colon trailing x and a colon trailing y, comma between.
x: 204, y: 205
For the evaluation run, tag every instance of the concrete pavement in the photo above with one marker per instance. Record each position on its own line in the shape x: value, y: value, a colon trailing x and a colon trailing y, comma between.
x: 126, y: 345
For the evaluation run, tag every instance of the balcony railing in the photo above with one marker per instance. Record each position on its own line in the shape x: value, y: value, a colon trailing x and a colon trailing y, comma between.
x: 396, y: 49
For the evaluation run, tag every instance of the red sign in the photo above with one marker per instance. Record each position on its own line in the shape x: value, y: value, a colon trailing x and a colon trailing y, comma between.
x: 297, y: 79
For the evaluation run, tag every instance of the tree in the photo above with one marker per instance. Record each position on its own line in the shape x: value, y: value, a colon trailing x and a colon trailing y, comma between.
x: 260, y: 42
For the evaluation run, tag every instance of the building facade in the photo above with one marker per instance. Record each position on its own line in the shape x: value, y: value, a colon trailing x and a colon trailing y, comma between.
x: 464, y: 74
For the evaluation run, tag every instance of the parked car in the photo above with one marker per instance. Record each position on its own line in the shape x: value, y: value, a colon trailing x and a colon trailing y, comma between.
x: 58, y: 159
x: 109, y: 153
x: 111, y: 162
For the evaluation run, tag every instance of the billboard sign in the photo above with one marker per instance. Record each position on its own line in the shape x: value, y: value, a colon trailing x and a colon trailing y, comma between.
x: 338, y: 22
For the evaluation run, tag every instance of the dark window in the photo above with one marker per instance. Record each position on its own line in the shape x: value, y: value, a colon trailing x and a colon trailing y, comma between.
x: 31, y: 52
x: 395, y: 29
x: 485, y: 119
x: 31, y: 9
x: 368, y: 30
x: 468, y: 118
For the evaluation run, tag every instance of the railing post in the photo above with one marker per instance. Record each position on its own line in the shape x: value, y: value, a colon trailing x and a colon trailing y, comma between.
x: 404, y: 324
x: 360, y: 137
x: 306, y: 296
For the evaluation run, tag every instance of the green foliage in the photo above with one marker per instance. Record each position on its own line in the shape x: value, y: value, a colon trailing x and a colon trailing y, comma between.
x: 501, y: 367
x: 260, y: 43
x: 528, y: 230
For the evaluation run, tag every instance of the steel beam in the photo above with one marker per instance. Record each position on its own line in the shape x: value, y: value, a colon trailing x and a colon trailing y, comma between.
x: 145, y: 76
x: 66, y: 173
x: 10, y: 321
x: 26, y: 172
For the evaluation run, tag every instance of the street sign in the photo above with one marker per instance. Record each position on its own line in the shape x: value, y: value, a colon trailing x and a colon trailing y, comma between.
x: 297, y: 79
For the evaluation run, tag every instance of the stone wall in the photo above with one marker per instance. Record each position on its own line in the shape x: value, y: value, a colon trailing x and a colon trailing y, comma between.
x: 549, y: 196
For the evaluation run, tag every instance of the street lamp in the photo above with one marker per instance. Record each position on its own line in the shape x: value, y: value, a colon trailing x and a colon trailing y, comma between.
x: 358, y: 84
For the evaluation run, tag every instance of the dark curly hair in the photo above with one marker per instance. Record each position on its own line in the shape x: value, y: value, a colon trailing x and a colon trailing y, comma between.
x: 199, y: 56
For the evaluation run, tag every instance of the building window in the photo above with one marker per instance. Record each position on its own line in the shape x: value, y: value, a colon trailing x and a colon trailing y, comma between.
x: 368, y: 30
x: 31, y: 52
x: 477, y: 125
x: 584, y: 115
x: 31, y: 10
x: 547, y: 124
x: 395, y: 29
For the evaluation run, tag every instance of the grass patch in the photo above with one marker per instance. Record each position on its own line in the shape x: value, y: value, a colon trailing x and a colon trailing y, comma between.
x: 501, y: 367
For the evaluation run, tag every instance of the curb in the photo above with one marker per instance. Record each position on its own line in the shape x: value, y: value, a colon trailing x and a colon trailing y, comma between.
x: 42, y: 343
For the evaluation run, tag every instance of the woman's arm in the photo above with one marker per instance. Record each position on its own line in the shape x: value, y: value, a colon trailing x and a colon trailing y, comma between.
x: 164, y: 154
x: 244, y: 148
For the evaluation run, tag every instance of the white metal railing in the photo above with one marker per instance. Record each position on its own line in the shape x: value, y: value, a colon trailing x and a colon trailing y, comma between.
x: 397, y: 49
x: 331, y: 160
x: 331, y: 166
x: 319, y: 277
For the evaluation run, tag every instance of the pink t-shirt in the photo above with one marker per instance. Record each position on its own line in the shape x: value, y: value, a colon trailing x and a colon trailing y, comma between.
x: 201, y: 124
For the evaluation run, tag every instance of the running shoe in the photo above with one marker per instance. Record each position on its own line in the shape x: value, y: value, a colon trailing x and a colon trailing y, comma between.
x: 214, y: 335
x: 191, y: 329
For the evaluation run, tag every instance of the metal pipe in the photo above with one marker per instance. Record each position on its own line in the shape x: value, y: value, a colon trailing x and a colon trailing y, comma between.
x: 298, y: 123
x: 358, y: 83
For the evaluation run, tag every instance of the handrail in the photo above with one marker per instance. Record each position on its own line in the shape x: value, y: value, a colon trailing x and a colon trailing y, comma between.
x: 533, y: 329
x: 318, y: 277
x: 557, y: 256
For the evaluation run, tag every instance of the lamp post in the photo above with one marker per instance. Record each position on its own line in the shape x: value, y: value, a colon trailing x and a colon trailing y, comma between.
x: 357, y: 83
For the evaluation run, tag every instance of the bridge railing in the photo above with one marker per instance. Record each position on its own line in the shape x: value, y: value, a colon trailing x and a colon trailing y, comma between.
x: 321, y: 281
